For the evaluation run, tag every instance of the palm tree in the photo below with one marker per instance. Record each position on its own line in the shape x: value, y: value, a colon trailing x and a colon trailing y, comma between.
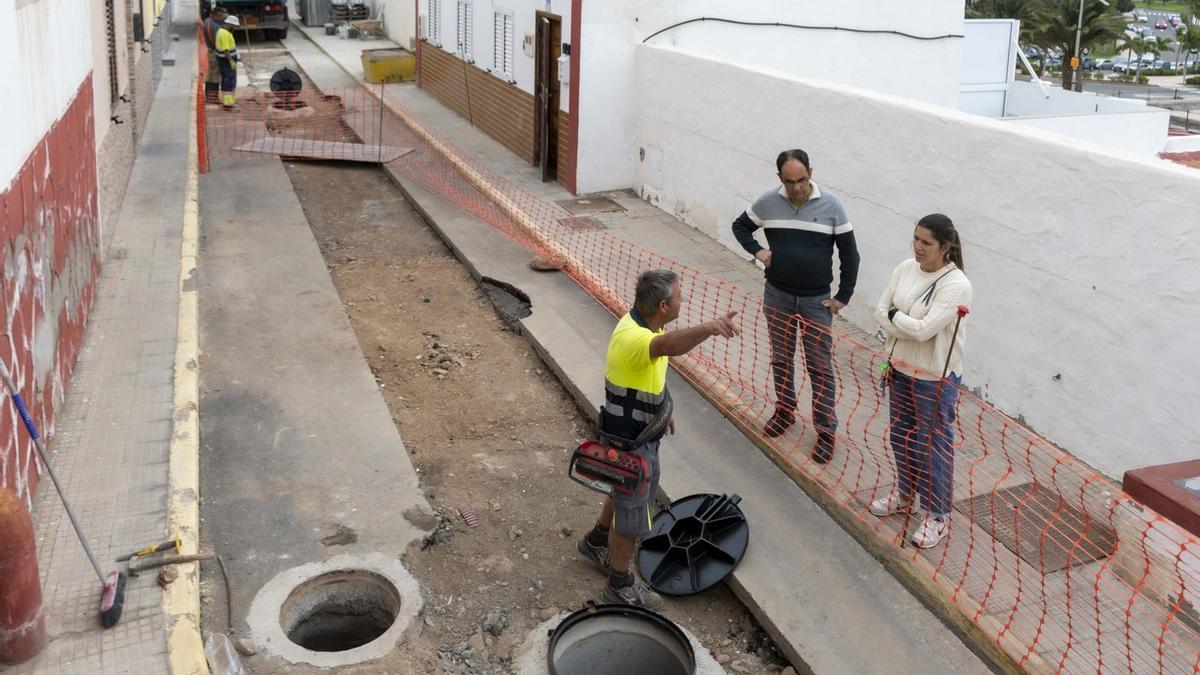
x: 1054, y: 26
x: 1022, y: 10
x: 1187, y: 42
x: 1160, y: 46
x: 1139, y: 45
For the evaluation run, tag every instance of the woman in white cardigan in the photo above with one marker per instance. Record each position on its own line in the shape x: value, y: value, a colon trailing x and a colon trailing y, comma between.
x: 919, y: 313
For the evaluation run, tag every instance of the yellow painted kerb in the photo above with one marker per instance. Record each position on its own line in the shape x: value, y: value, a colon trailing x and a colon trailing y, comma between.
x: 181, y: 601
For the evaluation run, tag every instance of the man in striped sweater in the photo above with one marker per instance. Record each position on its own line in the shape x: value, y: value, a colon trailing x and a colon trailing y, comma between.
x: 803, y: 224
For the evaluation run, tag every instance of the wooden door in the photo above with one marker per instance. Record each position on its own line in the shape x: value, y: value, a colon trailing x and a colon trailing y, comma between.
x: 546, y: 89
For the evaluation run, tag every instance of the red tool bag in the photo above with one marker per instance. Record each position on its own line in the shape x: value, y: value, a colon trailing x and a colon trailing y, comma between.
x: 609, y: 470
x: 610, y: 465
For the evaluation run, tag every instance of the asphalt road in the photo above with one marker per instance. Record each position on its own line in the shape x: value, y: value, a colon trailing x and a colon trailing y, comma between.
x: 1157, y: 93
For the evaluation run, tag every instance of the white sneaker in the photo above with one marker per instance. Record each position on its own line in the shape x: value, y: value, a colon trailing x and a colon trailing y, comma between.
x: 893, y: 503
x: 931, y: 533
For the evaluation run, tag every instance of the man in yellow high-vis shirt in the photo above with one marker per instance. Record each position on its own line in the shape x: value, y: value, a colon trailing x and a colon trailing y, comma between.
x: 636, y: 399
x: 227, y: 59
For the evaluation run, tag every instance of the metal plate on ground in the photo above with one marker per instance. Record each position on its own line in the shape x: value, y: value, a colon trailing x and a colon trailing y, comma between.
x: 581, y: 223
x: 589, y: 205
x: 310, y: 149
x: 1043, y: 530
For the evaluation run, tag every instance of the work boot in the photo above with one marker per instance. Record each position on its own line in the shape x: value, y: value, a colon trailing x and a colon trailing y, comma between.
x: 597, y: 554
x: 779, y: 423
x: 637, y: 594
x: 823, y: 450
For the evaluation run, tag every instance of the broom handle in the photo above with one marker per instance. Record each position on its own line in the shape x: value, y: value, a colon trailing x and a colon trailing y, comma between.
x: 41, y: 448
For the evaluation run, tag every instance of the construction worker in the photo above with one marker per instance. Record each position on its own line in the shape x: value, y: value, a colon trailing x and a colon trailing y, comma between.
x: 227, y: 59
x: 636, y: 413
x: 212, y: 80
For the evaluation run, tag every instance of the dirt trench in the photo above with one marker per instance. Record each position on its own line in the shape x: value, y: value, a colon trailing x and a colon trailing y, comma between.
x: 486, y: 425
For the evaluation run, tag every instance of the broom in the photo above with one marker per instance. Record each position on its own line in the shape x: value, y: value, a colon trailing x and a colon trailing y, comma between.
x: 112, y: 599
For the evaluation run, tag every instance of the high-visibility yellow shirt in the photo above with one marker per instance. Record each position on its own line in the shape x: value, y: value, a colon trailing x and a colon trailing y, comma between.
x: 628, y: 363
x: 224, y: 44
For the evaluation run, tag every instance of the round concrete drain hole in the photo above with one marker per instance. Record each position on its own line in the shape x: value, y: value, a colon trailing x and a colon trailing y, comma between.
x: 341, y: 610
x: 619, y: 639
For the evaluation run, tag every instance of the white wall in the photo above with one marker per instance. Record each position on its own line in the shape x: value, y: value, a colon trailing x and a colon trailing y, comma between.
x: 46, y: 53
x: 1026, y: 99
x: 1122, y: 124
x: 925, y: 70
x: 1183, y: 144
x: 101, y: 96
x: 482, y: 50
x: 399, y: 20
x: 989, y: 56
x: 1136, y: 133
x: 1083, y: 260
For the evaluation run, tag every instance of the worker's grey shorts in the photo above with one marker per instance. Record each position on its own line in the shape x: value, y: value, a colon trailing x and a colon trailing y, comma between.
x: 631, y: 515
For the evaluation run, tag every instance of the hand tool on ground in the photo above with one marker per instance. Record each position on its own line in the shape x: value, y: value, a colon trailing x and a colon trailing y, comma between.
x: 937, y: 402
x: 112, y: 597
x: 137, y: 565
x: 165, y: 546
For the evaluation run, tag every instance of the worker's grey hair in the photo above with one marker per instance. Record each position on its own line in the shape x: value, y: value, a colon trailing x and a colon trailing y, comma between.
x: 653, y: 287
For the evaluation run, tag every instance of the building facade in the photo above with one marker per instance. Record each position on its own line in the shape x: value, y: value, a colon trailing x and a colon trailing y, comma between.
x: 85, y: 73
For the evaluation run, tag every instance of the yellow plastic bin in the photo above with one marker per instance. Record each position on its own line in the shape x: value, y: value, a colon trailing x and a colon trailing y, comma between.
x: 388, y: 65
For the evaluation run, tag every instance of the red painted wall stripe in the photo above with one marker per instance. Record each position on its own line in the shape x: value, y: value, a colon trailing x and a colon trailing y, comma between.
x: 49, y: 222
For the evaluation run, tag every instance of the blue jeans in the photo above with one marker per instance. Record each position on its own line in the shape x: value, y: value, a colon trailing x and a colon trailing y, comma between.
x: 922, y: 434
x: 786, y: 315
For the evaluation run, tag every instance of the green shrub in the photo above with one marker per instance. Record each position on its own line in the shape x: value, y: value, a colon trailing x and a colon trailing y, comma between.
x: 1195, y: 79
x: 1143, y: 79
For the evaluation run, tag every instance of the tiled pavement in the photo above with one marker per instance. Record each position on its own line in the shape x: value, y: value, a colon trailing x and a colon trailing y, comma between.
x: 111, y: 440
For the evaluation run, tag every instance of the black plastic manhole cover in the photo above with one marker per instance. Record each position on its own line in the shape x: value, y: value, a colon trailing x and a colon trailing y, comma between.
x: 694, y: 544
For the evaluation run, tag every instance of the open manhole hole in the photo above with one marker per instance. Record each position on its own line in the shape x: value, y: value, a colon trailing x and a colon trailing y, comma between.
x: 618, y: 640
x: 339, y: 611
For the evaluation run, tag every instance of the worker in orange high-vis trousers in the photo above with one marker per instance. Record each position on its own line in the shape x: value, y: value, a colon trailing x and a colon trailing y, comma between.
x: 227, y: 59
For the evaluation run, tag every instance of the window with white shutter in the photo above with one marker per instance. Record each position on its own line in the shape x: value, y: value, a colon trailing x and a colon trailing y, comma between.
x: 502, y: 41
x: 465, y: 20
x: 435, y: 22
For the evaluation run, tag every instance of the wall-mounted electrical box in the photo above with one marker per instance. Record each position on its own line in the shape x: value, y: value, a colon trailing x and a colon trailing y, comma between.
x: 564, y: 69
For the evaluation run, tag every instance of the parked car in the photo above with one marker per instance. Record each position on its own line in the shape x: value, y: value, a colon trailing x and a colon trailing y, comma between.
x: 1142, y: 17
x: 1160, y: 25
x: 1175, y: 22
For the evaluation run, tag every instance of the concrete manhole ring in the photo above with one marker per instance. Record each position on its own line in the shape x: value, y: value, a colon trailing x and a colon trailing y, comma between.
x: 343, y: 611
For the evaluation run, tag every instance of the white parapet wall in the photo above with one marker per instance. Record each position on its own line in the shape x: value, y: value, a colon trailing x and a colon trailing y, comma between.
x: 46, y: 52
x: 1121, y: 123
x: 1083, y: 259
x: 927, y: 70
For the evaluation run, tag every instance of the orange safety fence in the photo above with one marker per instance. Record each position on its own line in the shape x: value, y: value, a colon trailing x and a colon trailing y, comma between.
x: 1059, y: 568
x: 201, y: 100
